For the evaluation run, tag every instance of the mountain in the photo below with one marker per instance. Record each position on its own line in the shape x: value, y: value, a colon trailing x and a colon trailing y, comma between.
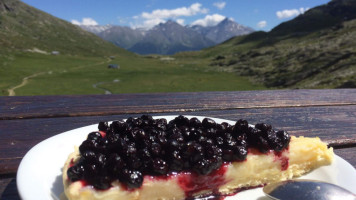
x: 325, y: 16
x: 223, y: 31
x: 24, y: 28
x: 121, y: 36
x: 314, y: 50
x: 169, y: 38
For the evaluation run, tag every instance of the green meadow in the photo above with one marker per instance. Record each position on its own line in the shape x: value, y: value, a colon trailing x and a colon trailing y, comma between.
x: 29, y: 73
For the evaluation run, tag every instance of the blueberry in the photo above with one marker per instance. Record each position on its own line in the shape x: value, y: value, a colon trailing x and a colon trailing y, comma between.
x: 176, y: 134
x: 156, y: 149
x: 192, y: 148
x: 131, y: 150
x: 211, y: 132
x: 240, y: 153
x: 162, y: 140
x: 229, y: 141
x: 262, y: 144
x: 132, y: 178
x: 102, y: 182
x: 147, y: 118
x: 75, y: 173
x: 161, y: 124
x: 253, y: 135
x: 284, y: 137
x: 176, y: 162
x: 115, y: 164
x: 100, y: 159
x: 89, y: 155
x: 194, y: 151
x: 208, y: 123
x: 194, y: 133
x: 118, y: 126
x: 195, y: 122
x: 159, y: 166
x: 264, y: 127
x: 181, y: 121
x: 88, y: 145
x: 134, y: 163
x: 216, y: 162
x: 204, y: 166
x: 141, y: 134
x: 224, y: 126
x: 90, y: 171
x: 94, y: 136
x: 174, y: 145
x: 213, y: 151
x: 219, y: 141
x: 228, y: 155
x: 103, y: 126
x: 241, y: 126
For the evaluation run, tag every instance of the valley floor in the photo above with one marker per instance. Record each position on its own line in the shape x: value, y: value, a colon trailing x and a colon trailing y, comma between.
x: 38, y: 74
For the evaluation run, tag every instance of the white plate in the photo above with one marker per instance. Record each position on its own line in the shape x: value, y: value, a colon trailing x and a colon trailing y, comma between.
x: 39, y: 176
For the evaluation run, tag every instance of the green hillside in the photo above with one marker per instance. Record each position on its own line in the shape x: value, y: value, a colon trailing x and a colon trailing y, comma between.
x: 43, y: 55
x: 24, y: 28
x: 314, y: 50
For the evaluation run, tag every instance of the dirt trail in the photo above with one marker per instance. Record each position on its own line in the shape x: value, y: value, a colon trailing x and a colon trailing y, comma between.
x: 24, y: 82
x: 107, y: 91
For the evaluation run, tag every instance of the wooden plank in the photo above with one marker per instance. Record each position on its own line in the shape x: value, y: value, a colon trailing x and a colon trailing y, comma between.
x: 334, y: 124
x: 8, y: 189
x: 90, y: 105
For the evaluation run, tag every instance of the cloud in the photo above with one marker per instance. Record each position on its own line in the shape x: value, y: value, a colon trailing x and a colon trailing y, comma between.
x: 262, y: 24
x: 85, y: 21
x: 149, y: 19
x: 151, y: 23
x: 180, y: 21
x: 194, y: 9
x: 209, y: 20
x: 220, y: 5
x: 290, y: 13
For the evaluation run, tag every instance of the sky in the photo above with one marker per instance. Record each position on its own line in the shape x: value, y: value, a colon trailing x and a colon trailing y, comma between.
x: 257, y: 14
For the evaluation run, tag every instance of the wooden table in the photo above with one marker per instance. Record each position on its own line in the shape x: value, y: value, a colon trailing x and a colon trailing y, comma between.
x: 26, y: 121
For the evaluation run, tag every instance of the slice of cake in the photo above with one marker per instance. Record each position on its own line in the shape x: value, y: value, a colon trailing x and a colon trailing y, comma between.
x: 146, y: 158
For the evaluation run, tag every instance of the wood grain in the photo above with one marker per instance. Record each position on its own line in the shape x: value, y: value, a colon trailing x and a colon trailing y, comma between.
x: 101, y: 105
x: 8, y: 189
x: 333, y: 124
x: 26, y: 121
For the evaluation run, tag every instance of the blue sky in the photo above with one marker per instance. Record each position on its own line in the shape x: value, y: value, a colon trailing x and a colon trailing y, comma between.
x: 257, y: 14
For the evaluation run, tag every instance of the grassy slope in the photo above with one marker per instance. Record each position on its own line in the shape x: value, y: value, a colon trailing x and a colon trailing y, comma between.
x: 324, y: 56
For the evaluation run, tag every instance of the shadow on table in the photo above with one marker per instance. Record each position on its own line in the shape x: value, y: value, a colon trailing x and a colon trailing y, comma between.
x: 10, y: 192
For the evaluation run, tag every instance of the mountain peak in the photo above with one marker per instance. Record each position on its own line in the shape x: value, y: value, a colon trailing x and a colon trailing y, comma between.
x: 226, y: 20
x: 169, y: 23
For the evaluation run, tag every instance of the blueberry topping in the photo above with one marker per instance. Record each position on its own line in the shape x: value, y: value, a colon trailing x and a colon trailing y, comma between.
x: 129, y: 150
x: 75, y: 172
x: 103, y: 126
